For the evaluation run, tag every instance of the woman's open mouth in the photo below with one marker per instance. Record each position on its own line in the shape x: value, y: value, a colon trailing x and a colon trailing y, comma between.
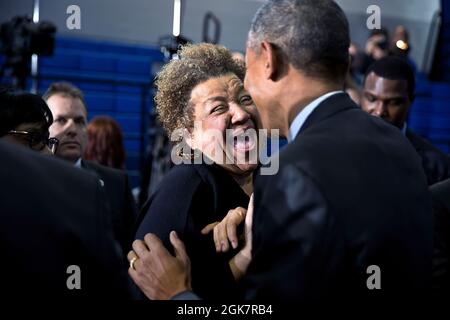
x: 245, y: 141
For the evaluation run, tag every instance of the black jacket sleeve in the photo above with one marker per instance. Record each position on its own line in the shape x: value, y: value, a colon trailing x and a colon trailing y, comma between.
x: 185, y: 202
x: 293, y: 234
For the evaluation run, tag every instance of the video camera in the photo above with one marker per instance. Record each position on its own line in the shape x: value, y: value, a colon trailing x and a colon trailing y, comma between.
x: 20, y: 38
x: 171, y: 44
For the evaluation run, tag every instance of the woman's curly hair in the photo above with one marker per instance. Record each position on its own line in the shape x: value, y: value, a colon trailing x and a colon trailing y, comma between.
x: 175, y: 82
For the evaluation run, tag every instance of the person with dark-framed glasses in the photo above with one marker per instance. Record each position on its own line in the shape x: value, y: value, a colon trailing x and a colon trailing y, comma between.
x: 25, y: 119
x: 37, y: 140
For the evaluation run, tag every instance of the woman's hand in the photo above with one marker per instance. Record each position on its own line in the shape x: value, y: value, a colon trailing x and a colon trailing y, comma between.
x: 240, y: 262
x: 225, y: 231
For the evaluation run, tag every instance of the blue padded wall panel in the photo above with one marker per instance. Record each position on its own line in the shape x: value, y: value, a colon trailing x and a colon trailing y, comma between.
x: 139, y: 66
x: 97, y: 63
x: 440, y: 90
x: 129, y: 123
x: 62, y: 59
x: 430, y: 112
x: 132, y: 145
x: 128, y: 103
x: 99, y: 102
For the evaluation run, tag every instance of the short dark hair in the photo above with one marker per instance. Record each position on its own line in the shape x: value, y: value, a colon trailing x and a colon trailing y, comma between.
x: 394, y: 68
x: 17, y: 108
x: 64, y: 89
x: 382, y: 31
x: 312, y: 34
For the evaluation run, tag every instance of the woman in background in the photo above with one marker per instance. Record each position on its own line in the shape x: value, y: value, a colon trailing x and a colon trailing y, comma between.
x: 105, y: 143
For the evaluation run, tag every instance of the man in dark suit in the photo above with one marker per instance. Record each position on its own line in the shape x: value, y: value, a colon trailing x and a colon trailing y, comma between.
x: 56, y: 234
x: 388, y: 93
x: 120, y: 200
x: 348, y: 212
x: 441, y: 259
x: 70, y: 117
x: 350, y: 195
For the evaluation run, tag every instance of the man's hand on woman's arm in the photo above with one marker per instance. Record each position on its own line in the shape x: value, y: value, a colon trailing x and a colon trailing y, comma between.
x: 155, y: 271
x: 162, y: 276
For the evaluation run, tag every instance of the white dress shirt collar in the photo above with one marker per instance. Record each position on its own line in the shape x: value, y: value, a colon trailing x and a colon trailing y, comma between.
x: 404, y: 128
x: 301, y: 117
x: 78, y: 163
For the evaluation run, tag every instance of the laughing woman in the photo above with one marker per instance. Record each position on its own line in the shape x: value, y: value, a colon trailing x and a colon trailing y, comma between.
x: 201, y: 99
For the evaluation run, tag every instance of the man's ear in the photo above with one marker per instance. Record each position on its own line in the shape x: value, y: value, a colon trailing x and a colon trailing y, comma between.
x: 272, y: 63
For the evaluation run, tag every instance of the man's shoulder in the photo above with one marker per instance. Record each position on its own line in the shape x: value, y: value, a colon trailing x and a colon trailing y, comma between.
x: 424, y: 147
x: 111, y: 176
x: 435, y: 162
x: 441, y: 192
x: 103, y: 170
x: 337, y: 147
x: 348, y: 130
x: 441, y: 187
x: 65, y: 206
x: 33, y: 164
x: 39, y: 177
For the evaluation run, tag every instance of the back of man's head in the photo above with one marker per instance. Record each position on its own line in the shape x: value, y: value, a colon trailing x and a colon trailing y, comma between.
x: 394, y: 68
x: 379, y: 32
x: 312, y: 34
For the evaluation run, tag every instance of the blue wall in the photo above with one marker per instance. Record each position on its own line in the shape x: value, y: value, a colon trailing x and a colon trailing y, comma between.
x: 430, y: 112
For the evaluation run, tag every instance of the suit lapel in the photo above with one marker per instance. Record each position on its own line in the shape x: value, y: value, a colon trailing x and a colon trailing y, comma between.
x: 414, y: 141
x: 86, y: 166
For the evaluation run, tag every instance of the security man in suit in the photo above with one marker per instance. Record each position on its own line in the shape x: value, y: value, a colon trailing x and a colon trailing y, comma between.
x: 56, y: 234
x: 388, y: 93
x: 70, y: 117
x: 441, y: 259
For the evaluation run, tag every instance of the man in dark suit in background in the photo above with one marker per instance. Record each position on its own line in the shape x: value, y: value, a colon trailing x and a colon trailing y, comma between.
x: 440, y: 193
x: 350, y: 199
x: 388, y: 93
x: 70, y: 118
x: 54, y: 221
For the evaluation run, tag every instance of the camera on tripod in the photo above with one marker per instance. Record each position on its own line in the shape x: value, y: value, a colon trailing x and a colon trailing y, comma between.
x: 171, y: 44
x: 20, y: 38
